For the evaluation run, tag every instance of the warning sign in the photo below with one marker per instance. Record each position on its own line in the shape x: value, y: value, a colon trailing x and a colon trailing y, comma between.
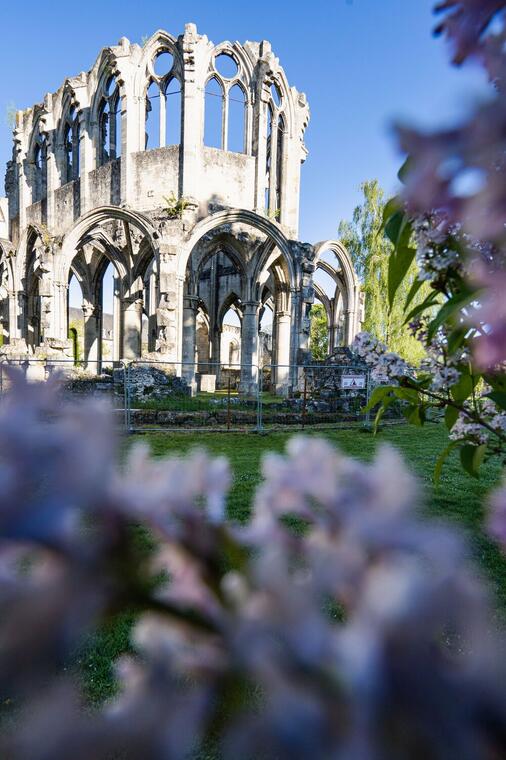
x: 350, y: 382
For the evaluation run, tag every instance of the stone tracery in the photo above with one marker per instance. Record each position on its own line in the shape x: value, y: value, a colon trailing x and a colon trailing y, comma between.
x: 87, y: 189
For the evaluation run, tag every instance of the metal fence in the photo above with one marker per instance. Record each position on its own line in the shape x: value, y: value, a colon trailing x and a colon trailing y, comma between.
x: 176, y: 395
x: 74, y: 379
x: 157, y: 395
x: 182, y: 395
x: 316, y: 394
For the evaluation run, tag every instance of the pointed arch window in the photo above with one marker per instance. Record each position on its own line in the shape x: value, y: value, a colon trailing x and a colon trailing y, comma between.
x: 109, y: 123
x: 39, y: 168
x: 275, y: 150
x: 225, y: 106
x: 71, y: 139
x: 213, y: 129
x: 163, y: 104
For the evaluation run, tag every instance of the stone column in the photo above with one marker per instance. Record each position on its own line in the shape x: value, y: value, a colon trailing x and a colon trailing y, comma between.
x: 92, y: 337
x: 117, y: 336
x: 192, y: 104
x: 22, y: 169
x: 249, y: 348
x: 283, y: 325
x: 132, y: 328
x: 349, y: 326
x: 17, y: 317
x: 170, y: 298
x: 189, y: 340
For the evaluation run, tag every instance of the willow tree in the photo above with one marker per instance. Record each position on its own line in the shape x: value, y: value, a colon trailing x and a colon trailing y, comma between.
x: 319, y: 335
x: 370, y: 250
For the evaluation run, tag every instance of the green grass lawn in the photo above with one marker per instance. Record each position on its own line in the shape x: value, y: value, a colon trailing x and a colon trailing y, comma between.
x: 457, y: 498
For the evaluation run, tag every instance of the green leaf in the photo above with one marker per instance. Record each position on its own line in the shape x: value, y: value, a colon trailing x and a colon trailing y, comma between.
x: 407, y: 394
x: 455, y: 303
x: 496, y: 381
x: 381, y: 411
x: 378, y: 395
x: 456, y: 338
x: 499, y: 398
x: 451, y: 416
x: 465, y: 385
x: 471, y: 458
x: 398, y: 266
x: 442, y: 459
x: 427, y: 303
x: 394, y: 226
x: 391, y: 207
x: 462, y: 389
x: 403, y: 172
x: 415, y: 287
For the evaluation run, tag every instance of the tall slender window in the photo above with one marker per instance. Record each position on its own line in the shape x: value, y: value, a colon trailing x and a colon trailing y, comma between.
x: 275, y: 137
x: 225, y: 106
x: 236, y: 137
x: 109, y: 121
x: 39, y: 169
x: 213, y: 130
x: 163, y: 104
x: 71, y: 138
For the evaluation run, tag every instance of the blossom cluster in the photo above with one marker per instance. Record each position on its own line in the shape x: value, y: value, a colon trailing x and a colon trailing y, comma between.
x: 336, y: 623
x: 454, y: 185
x: 386, y: 366
x: 434, y: 254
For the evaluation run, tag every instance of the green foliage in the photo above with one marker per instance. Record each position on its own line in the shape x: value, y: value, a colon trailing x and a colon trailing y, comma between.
x: 175, y: 206
x: 10, y: 114
x: 78, y: 326
x: 319, y: 335
x: 378, y: 262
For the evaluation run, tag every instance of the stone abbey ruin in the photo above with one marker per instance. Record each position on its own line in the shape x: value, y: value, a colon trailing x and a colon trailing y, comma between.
x: 123, y: 165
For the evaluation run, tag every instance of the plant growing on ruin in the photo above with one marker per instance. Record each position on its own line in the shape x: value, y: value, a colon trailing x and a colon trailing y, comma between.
x: 175, y: 206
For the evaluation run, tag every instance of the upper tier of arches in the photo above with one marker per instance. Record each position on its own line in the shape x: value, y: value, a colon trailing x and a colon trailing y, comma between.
x: 182, y: 91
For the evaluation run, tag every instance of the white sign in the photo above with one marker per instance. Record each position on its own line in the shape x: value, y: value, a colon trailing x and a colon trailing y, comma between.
x: 352, y: 381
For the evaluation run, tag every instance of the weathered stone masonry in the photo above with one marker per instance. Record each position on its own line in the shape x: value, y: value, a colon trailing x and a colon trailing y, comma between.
x: 191, y: 230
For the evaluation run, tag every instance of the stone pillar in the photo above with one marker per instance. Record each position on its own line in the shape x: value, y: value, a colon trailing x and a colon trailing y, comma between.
x: 17, y: 316
x: 152, y: 302
x: 189, y: 339
x: 92, y: 337
x: 192, y: 105
x: 249, y: 348
x: 22, y: 169
x: 132, y: 328
x: 169, y: 299
x: 117, y: 337
x: 86, y: 159
x: 349, y: 326
x: 52, y: 178
x: 283, y: 325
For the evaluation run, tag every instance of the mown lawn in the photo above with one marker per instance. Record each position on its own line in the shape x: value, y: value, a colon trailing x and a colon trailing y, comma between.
x: 457, y: 498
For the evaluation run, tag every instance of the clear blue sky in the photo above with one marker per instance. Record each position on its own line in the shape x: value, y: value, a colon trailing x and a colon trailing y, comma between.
x: 362, y: 64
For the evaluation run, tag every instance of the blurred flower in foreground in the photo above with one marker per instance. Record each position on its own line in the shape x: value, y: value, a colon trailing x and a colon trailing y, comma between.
x: 337, y: 623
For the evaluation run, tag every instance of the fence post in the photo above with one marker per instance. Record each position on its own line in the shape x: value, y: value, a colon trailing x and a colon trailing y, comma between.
x: 126, y: 398
x: 368, y: 396
x: 304, y: 399
x: 228, y: 404
x: 259, y: 399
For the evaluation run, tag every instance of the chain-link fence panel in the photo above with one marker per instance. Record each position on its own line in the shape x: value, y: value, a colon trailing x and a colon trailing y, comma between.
x: 310, y: 395
x: 75, y: 379
x: 165, y: 396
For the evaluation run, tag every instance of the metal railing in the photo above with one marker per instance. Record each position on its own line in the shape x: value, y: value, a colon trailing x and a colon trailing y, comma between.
x: 160, y: 395
x: 165, y: 395
x: 75, y: 378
